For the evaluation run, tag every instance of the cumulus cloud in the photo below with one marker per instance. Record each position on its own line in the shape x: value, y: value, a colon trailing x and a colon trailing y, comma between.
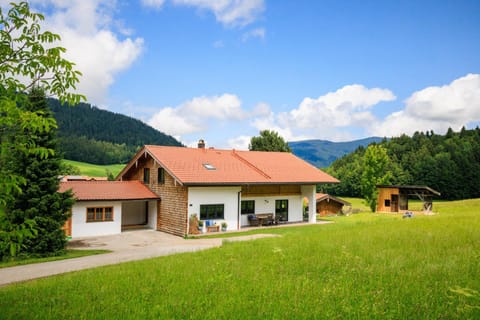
x: 436, y: 108
x: 193, y: 116
x: 86, y: 29
x: 329, y: 116
x: 347, y: 106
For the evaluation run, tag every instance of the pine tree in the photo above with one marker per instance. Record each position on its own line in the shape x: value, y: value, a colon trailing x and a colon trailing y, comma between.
x: 39, y: 199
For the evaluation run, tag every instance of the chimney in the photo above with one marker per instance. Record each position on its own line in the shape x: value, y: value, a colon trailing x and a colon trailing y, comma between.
x: 201, y: 144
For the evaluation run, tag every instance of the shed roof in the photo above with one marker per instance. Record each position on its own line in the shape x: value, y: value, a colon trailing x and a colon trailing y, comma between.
x: 412, y: 190
x: 108, y: 190
x: 197, y: 166
x: 323, y: 196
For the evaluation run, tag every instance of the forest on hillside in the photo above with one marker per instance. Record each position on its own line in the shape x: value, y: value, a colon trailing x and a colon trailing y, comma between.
x: 93, y: 135
x: 448, y: 163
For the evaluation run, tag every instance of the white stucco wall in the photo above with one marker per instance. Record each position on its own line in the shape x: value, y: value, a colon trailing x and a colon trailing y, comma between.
x: 216, y: 195
x: 82, y: 228
x: 267, y: 205
x: 310, y: 192
x: 152, y: 215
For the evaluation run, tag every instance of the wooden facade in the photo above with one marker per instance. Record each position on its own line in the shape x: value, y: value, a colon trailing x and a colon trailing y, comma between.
x: 328, y: 205
x: 172, y: 208
x: 395, y: 198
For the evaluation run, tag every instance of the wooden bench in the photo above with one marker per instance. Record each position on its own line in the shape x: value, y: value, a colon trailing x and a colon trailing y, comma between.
x: 214, y: 228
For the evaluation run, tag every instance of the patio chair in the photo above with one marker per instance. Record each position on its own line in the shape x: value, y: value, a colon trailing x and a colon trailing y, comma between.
x: 253, y: 220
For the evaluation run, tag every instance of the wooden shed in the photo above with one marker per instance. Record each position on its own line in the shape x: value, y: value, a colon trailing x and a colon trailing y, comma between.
x: 395, y: 198
x: 327, y: 204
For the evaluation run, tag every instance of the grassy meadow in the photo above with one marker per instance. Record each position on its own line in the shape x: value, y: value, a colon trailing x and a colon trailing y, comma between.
x: 95, y: 170
x: 363, y: 266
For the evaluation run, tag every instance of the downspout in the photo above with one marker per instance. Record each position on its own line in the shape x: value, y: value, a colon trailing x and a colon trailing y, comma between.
x: 239, y: 195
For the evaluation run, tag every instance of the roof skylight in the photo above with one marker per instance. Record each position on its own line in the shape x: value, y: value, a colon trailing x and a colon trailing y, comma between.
x: 209, y: 166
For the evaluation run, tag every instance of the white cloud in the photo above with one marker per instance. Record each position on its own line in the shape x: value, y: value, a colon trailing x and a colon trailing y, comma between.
x: 436, y: 108
x: 226, y: 106
x: 171, y: 121
x: 85, y: 27
x: 157, y: 4
x: 229, y: 12
x: 347, y: 106
x: 239, y: 143
x: 255, y: 33
x: 329, y: 116
x: 193, y: 116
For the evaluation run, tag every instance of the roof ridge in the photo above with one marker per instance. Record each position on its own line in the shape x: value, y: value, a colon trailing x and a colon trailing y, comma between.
x: 251, y: 165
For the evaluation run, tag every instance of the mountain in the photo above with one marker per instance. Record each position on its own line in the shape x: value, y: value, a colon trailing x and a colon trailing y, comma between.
x: 321, y: 153
x: 89, y: 134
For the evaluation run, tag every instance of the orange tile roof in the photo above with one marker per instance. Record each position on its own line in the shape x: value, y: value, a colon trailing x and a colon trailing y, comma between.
x: 231, y: 167
x: 108, y: 190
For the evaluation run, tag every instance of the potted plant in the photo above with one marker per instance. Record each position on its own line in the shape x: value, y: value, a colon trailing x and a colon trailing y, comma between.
x: 224, y: 226
x: 200, y: 225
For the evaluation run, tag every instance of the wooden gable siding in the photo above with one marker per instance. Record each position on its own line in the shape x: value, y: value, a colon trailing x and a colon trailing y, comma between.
x: 386, y: 194
x: 172, y: 210
x: 270, y: 190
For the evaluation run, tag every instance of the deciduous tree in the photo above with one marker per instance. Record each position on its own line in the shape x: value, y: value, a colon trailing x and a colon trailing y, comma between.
x: 268, y: 141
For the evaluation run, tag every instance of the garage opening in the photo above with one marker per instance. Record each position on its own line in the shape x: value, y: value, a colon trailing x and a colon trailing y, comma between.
x: 138, y: 215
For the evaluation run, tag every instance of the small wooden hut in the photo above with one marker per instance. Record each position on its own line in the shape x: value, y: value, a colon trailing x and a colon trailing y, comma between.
x: 327, y: 204
x: 395, y: 198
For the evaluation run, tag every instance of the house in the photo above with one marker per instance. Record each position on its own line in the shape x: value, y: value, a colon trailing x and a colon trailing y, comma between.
x: 104, y: 207
x: 327, y: 204
x: 223, y: 185
x: 395, y: 198
x: 165, y: 186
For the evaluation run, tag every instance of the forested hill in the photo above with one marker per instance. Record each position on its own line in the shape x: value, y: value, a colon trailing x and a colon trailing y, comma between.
x: 321, y: 153
x: 448, y: 163
x: 93, y: 135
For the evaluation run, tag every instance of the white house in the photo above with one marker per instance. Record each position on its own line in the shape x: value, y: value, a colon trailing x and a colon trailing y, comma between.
x: 162, y: 187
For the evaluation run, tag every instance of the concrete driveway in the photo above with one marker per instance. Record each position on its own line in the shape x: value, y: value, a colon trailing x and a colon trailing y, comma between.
x: 127, y: 246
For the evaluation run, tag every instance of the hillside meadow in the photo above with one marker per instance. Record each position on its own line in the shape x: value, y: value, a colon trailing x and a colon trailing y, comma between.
x: 96, y: 170
x: 363, y: 266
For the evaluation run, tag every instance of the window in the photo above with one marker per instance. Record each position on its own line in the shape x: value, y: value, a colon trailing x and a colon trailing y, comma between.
x: 146, y: 175
x: 248, y: 206
x: 211, y: 211
x: 387, y: 202
x: 99, y: 214
x: 161, y: 176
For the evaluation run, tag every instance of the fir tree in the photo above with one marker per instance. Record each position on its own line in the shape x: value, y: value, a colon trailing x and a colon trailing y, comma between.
x: 39, y: 199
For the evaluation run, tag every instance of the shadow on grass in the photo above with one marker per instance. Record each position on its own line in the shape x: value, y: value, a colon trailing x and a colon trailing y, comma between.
x: 70, y: 254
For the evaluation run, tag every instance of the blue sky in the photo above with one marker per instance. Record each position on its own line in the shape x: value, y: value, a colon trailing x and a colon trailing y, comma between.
x: 224, y: 70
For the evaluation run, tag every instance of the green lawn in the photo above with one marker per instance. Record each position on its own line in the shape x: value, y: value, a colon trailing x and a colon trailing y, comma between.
x: 96, y: 170
x: 363, y: 266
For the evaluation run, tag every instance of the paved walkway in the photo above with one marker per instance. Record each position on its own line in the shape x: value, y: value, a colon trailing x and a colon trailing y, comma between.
x: 127, y: 246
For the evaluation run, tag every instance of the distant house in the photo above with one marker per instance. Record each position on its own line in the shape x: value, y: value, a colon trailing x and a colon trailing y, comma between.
x: 395, y: 198
x: 327, y: 204
x: 165, y: 186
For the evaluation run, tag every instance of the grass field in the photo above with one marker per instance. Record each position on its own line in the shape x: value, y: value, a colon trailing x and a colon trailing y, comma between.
x: 363, y: 266
x: 95, y: 170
